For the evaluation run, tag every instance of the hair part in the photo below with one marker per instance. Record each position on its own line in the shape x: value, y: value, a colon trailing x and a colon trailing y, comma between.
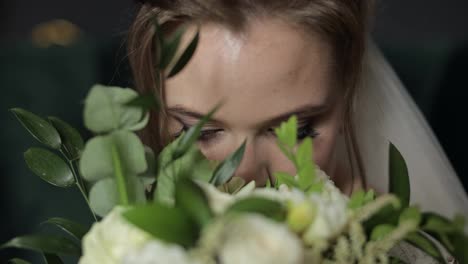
x: 343, y: 24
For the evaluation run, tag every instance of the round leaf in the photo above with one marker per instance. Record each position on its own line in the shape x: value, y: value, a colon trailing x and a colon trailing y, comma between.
x: 39, y: 128
x: 72, y: 142
x: 106, y: 109
x: 411, y: 214
x: 44, y: 243
x: 50, y: 167
x: 381, y: 231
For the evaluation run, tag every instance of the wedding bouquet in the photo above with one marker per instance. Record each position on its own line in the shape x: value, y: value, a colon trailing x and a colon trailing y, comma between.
x: 179, y: 207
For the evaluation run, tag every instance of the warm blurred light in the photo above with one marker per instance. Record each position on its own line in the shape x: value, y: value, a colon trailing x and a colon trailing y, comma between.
x: 55, y: 32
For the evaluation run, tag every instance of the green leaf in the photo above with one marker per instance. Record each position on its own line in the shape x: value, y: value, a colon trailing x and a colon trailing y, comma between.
x: 285, y: 178
x: 399, y: 179
x: 72, y: 142
x: 39, y: 128
x: 425, y: 244
x: 49, y: 167
x: 72, y: 228
x: 395, y: 260
x: 357, y: 199
x: 191, y: 198
x: 411, y: 213
x: 306, y: 176
x: 52, y: 259
x: 189, y: 138
x: 18, y: 261
x: 266, y: 207
x: 106, y: 110
x: 44, y: 243
x: 287, y: 132
x: 234, y: 185
x: 381, y: 231
x: 226, y: 169
x: 171, y: 225
x: 170, y: 46
x: 304, y: 155
x: 104, y: 194
x: 185, y: 57
x: 191, y: 165
x: 97, y: 161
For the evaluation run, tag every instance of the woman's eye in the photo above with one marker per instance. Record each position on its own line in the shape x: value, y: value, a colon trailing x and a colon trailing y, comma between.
x: 205, y: 135
x: 306, y: 131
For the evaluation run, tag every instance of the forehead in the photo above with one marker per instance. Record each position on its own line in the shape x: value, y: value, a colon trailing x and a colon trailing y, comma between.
x: 267, y: 70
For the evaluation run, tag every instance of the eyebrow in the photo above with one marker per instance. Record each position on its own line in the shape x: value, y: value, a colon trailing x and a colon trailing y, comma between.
x: 301, y: 112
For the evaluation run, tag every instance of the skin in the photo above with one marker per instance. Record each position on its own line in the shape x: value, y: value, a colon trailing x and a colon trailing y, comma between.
x: 262, y: 76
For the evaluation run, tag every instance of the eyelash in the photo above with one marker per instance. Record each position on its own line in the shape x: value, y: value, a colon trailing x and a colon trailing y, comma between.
x: 304, y: 131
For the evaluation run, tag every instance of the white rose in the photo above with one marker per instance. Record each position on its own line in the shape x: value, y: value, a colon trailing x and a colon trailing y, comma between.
x: 156, y: 252
x: 111, y: 239
x: 254, y: 239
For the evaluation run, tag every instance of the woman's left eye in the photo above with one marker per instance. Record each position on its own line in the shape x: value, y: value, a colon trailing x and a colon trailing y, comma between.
x: 303, y: 131
x: 209, y: 134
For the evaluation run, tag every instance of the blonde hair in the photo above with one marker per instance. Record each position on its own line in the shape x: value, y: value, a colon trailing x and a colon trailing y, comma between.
x: 342, y: 23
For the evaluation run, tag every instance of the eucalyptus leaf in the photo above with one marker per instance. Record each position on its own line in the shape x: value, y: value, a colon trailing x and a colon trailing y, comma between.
x: 171, y: 225
x: 44, y: 243
x: 49, y: 167
x: 52, y: 259
x: 97, y: 163
x: 106, y: 110
x: 425, y: 244
x: 399, y: 179
x: 72, y: 228
x: 104, y: 194
x: 18, y: 261
x: 266, y: 207
x: 39, y: 128
x: 185, y: 57
x: 226, y: 169
x: 191, y: 198
x: 72, y: 142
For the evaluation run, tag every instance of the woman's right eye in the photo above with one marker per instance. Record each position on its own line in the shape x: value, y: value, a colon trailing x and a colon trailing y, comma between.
x: 205, y: 135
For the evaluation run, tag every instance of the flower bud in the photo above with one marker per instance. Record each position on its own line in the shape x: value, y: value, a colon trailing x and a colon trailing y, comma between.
x: 301, y: 215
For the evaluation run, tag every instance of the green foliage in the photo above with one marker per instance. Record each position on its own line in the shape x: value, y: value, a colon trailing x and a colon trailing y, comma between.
x: 263, y: 206
x: 52, y: 259
x: 360, y: 198
x: 72, y: 142
x: 72, y: 228
x: 39, y: 128
x: 381, y: 231
x: 287, y: 132
x: 170, y: 46
x: 169, y: 224
x: 226, y: 169
x: 44, y: 243
x: 18, y: 261
x: 191, y: 198
x: 49, y: 167
x: 427, y: 245
x: 399, y: 179
x: 185, y: 57
x: 106, y: 110
x: 145, y: 102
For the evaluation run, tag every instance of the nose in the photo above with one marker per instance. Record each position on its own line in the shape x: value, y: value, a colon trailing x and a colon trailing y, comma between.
x: 253, y: 165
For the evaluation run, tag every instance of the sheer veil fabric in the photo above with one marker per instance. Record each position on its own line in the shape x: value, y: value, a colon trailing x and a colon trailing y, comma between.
x: 386, y: 113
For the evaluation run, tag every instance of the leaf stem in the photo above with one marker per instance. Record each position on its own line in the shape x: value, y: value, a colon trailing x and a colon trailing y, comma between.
x: 82, y: 188
x: 119, y: 175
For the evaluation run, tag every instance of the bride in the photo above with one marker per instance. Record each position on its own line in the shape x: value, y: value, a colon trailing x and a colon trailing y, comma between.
x: 267, y: 60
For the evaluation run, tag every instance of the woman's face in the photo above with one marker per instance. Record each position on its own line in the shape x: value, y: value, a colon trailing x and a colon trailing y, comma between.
x: 262, y: 76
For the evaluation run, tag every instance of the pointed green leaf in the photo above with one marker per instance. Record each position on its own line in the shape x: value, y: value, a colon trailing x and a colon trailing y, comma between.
x: 304, y: 153
x: 145, y: 102
x: 189, y: 138
x: 191, y: 198
x: 266, y: 207
x: 44, y: 243
x: 287, y: 132
x: 381, y: 231
x: 411, y: 213
x: 185, y: 57
x: 425, y: 244
x: 357, y: 199
x: 18, y: 261
x: 171, y: 225
x: 234, y: 185
x: 72, y: 228
x: 49, y: 167
x: 52, y: 259
x: 285, y: 178
x: 226, y: 169
x: 39, y: 128
x: 72, y: 142
x: 170, y: 46
x: 399, y: 179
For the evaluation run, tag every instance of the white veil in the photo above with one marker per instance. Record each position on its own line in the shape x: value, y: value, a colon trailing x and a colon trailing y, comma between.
x: 385, y: 112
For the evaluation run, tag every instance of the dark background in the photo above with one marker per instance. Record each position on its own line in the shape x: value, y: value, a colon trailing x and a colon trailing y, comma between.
x: 425, y: 40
